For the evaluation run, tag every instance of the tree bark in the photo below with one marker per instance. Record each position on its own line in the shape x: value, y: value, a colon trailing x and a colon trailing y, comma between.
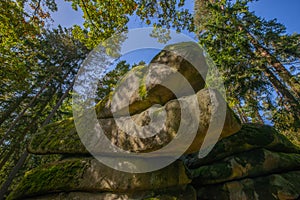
x: 13, y: 107
x: 24, y: 156
x: 30, y: 103
x: 12, y: 174
x: 277, y: 66
x: 294, y: 106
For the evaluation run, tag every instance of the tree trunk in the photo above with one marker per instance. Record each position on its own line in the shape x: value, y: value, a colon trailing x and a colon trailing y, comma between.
x: 22, y: 159
x: 294, y: 106
x: 31, y: 103
x: 12, y: 108
x: 241, y: 114
x: 283, y: 73
x: 12, y: 174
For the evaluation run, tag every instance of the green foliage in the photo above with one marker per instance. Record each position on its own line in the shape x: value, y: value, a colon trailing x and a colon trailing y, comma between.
x: 249, y: 52
x: 109, y: 81
x: 257, y: 59
x: 103, y: 18
x: 38, y: 66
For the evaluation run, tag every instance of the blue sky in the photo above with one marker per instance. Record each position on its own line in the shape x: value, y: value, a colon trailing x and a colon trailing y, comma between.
x: 287, y: 12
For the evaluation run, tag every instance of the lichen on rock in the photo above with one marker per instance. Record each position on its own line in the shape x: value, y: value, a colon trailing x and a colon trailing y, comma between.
x: 89, y: 175
x: 251, y: 136
x: 56, y: 138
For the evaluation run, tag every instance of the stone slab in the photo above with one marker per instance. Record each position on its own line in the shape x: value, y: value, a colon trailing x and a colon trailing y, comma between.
x: 258, y: 162
x: 273, y: 187
x: 159, y: 82
x: 61, y: 137
x: 89, y: 175
x: 179, y: 193
x: 251, y: 136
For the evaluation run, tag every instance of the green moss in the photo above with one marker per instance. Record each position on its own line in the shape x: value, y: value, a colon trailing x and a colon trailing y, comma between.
x: 183, y: 45
x: 217, y: 171
x: 58, y: 137
x: 254, y: 158
x: 251, y: 136
x: 259, y: 135
x: 143, y: 90
x: 141, y: 73
x: 165, y: 197
x: 59, y: 176
x: 101, y: 104
x: 258, y: 162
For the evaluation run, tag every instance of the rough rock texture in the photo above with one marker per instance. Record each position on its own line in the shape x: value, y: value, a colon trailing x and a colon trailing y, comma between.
x: 252, y: 162
x: 255, y: 163
x: 90, y: 175
x: 178, y: 193
x: 258, y: 162
x: 61, y: 137
x: 284, y: 186
x: 152, y: 84
x: 251, y: 136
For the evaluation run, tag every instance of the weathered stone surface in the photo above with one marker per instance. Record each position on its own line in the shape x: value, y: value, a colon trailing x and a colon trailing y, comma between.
x: 283, y: 186
x: 90, y: 175
x: 258, y: 162
x: 52, y: 140
x: 178, y: 193
x: 58, y: 137
x: 146, y: 86
x: 251, y: 136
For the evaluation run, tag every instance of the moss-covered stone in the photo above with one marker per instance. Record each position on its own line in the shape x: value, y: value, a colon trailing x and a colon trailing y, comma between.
x: 174, y: 193
x: 258, y: 162
x: 89, y: 175
x: 273, y: 187
x: 61, y: 137
x: 103, y: 107
x: 251, y: 136
x: 55, y: 177
x: 56, y: 138
x: 185, y: 58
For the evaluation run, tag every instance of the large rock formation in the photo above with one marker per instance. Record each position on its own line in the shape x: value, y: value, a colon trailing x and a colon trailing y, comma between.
x: 61, y: 137
x: 248, y: 162
x: 255, y: 163
x: 159, y: 82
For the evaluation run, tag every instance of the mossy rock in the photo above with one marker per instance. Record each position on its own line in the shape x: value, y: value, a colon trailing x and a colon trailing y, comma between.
x: 104, y: 107
x: 258, y: 162
x: 62, y: 176
x: 251, y: 136
x: 149, y: 81
x: 273, y: 187
x: 56, y: 138
x: 61, y: 137
x: 167, y: 131
x: 89, y: 175
x: 174, y: 193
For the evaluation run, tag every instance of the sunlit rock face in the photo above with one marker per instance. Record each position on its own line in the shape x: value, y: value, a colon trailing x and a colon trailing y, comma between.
x: 255, y: 163
x: 88, y: 174
x: 67, y: 141
x: 248, y: 161
x: 164, y: 79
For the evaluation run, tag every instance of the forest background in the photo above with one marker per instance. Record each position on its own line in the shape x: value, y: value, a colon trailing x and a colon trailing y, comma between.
x: 257, y: 55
